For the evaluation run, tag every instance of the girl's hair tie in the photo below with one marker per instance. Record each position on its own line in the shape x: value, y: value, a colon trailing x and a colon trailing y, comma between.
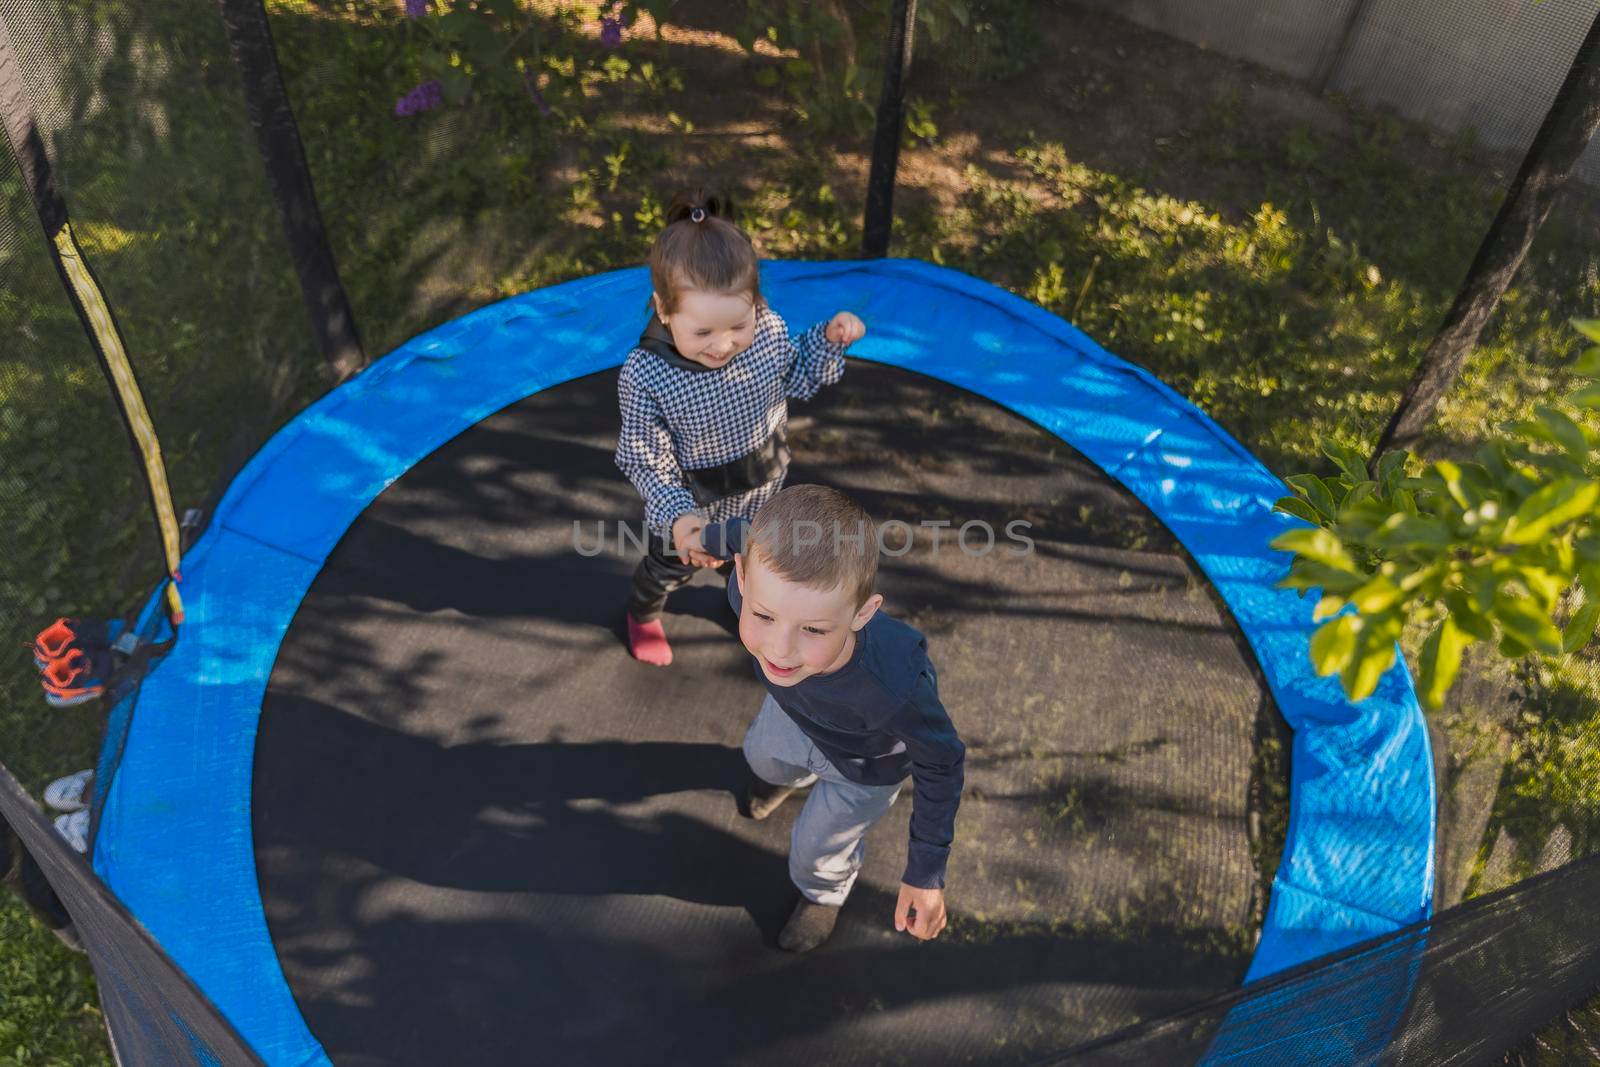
x: 697, y: 215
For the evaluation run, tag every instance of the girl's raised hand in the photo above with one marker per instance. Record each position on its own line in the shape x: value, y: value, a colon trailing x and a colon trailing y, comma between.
x: 845, y: 329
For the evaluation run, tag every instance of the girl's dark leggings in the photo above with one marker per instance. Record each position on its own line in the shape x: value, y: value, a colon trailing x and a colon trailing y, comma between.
x: 658, y: 574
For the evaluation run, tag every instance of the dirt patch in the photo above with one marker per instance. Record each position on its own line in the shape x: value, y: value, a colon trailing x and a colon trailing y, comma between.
x: 1120, y: 98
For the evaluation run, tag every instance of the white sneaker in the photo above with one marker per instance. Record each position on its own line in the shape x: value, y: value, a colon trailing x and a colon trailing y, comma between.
x: 75, y: 828
x: 71, y: 793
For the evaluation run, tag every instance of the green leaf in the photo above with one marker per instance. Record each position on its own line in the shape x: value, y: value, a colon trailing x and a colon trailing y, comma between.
x: 1360, y: 520
x: 1521, y: 619
x: 1402, y: 531
x: 1441, y: 660
x: 1375, y: 654
x: 1587, y: 397
x: 1468, y: 618
x: 1493, y: 458
x: 1588, y: 364
x: 1450, y: 474
x: 1589, y: 576
x: 1511, y: 648
x: 1477, y: 483
x: 1484, y: 585
x: 1565, y: 432
x: 1334, y: 643
x: 1327, y: 607
x: 1556, y: 503
x: 1358, y: 492
x: 1545, y: 586
x: 1580, y: 628
x: 1391, y: 468
x: 1300, y: 509
x: 1417, y: 576
x: 1590, y: 328
x: 1313, y: 489
x: 1318, y: 545
x: 1529, y: 431
x: 1305, y: 574
x: 1380, y: 594
x: 1348, y: 460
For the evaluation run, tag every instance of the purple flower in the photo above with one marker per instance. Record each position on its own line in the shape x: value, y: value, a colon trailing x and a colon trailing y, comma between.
x: 533, y: 92
x: 416, y: 9
x: 425, y: 97
x: 611, y: 31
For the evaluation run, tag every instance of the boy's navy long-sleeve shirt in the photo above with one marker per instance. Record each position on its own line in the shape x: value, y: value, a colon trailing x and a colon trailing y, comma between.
x: 877, y: 719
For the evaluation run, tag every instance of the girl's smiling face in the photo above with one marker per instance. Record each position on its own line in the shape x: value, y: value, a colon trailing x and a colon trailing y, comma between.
x: 711, y: 328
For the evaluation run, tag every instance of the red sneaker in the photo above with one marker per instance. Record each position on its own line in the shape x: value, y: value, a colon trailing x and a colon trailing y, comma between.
x: 52, y: 642
x: 73, y: 679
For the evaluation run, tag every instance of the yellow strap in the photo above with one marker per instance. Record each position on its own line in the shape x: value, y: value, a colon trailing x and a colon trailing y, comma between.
x: 132, y: 402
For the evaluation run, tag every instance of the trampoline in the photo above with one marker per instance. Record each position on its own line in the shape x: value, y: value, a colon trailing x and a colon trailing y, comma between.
x: 399, y: 795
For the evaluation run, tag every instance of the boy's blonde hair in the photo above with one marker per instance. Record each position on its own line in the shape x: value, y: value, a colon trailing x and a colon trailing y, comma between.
x: 712, y: 255
x: 819, y: 538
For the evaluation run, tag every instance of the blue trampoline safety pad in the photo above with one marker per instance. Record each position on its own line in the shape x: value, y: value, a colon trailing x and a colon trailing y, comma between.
x: 175, y: 834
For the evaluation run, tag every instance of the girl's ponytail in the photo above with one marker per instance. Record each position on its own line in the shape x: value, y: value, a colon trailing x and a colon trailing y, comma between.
x: 712, y: 204
x: 702, y: 248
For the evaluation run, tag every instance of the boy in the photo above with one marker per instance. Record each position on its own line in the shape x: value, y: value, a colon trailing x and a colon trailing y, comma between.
x: 852, y: 705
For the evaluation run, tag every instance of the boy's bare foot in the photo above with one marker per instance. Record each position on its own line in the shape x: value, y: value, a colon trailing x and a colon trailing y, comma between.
x: 648, y: 642
x: 761, y: 798
x: 809, y: 926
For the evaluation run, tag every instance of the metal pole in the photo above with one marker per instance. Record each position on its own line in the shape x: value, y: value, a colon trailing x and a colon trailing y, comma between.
x: 886, y: 139
x: 278, y: 136
x: 1567, y: 129
x: 1330, y: 66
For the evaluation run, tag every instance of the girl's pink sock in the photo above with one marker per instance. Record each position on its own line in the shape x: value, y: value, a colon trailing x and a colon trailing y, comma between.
x: 648, y: 642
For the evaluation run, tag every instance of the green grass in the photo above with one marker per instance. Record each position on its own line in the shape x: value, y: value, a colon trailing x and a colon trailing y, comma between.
x: 49, y: 1014
x: 1285, y: 275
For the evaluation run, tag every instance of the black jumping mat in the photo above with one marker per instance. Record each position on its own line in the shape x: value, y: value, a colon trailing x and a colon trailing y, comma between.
x: 485, y: 834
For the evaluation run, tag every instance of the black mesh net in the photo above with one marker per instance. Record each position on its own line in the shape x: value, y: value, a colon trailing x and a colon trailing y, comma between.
x: 1475, y: 976
x: 141, y: 114
x: 71, y: 495
x: 155, y: 1014
x: 456, y: 172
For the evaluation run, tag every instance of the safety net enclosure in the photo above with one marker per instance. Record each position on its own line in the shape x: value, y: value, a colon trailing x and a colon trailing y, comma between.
x: 376, y: 780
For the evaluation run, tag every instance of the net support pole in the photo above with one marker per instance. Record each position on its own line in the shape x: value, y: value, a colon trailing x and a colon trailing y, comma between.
x: 89, y: 301
x: 1566, y: 131
x: 1328, y: 67
x: 278, y: 137
x: 879, y: 220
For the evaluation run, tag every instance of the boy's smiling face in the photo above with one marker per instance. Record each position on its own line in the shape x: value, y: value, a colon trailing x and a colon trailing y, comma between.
x: 711, y: 328
x: 793, y: 630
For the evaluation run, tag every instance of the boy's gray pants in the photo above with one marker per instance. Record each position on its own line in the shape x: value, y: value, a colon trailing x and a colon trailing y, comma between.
x: 826, y: 847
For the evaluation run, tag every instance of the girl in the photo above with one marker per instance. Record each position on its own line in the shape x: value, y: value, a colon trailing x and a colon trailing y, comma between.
x: 704, y: 398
